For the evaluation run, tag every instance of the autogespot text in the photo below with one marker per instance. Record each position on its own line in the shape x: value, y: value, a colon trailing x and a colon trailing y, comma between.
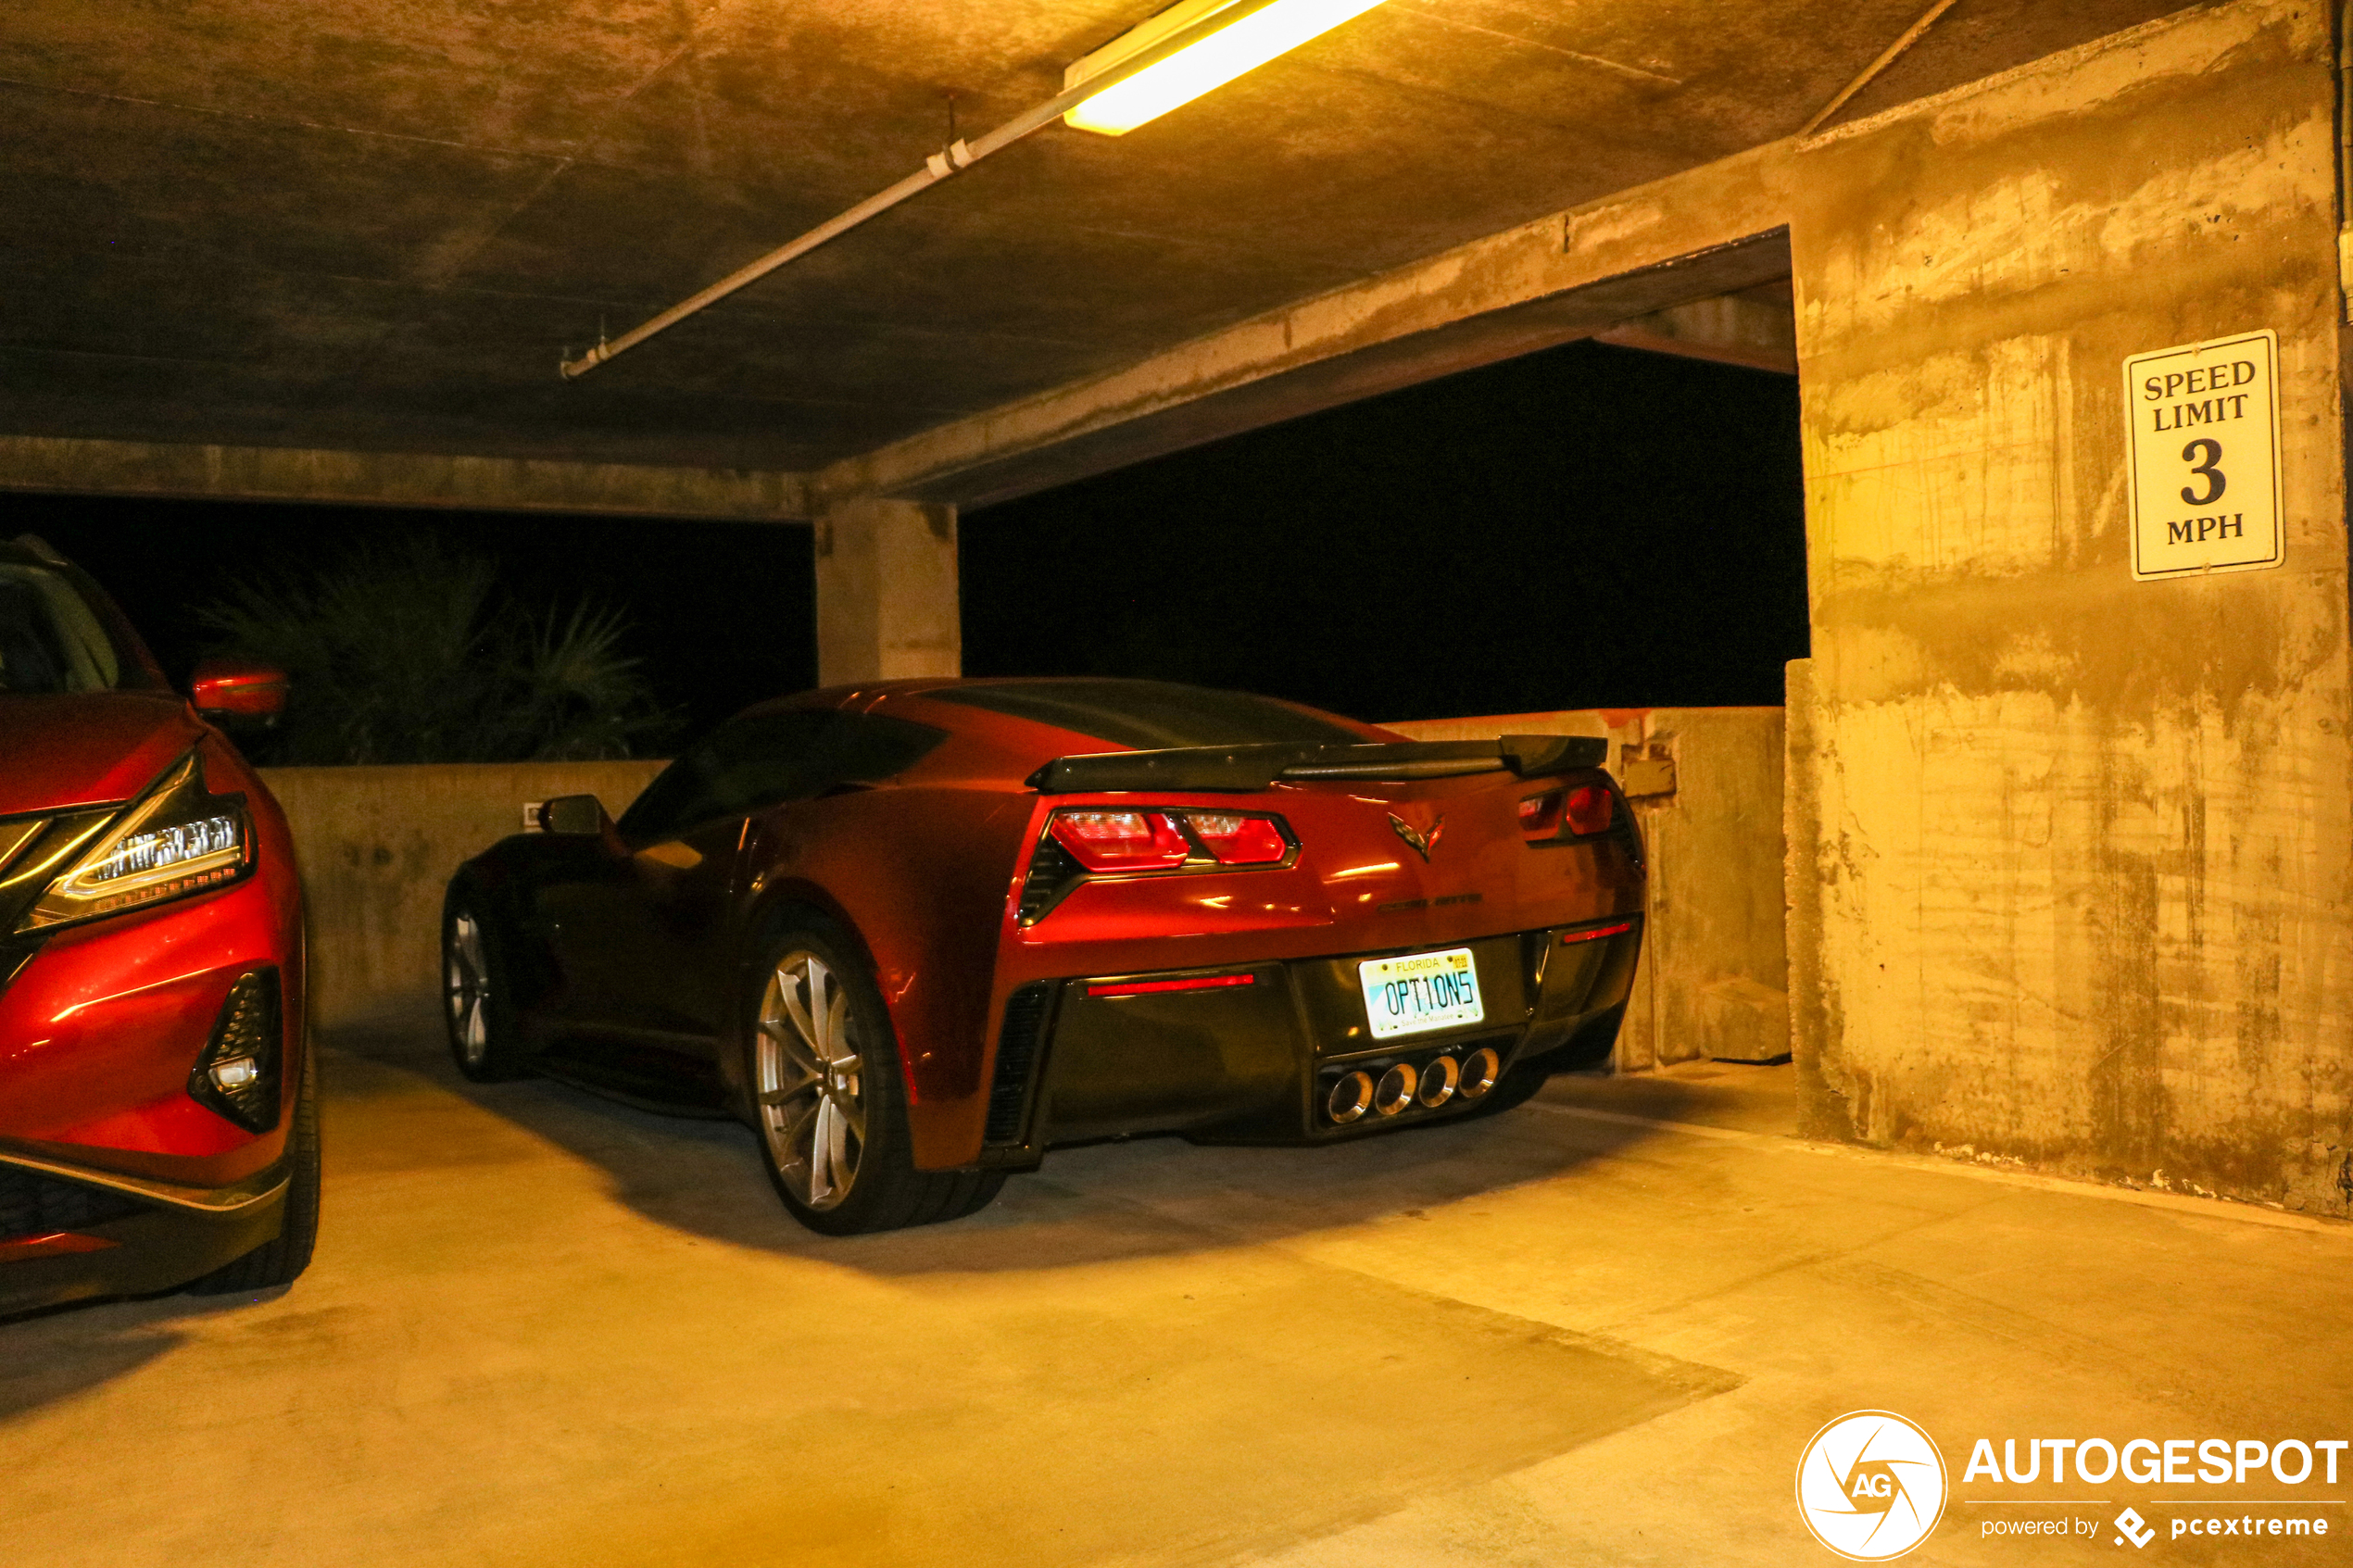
x: 2178, y: 1462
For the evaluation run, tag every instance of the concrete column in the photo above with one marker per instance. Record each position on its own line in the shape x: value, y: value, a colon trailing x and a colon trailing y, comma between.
x: 887, y: 601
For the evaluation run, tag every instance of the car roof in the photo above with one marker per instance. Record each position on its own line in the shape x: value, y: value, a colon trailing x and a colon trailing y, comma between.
x: 1147, y: 715
x: 1038, y: 718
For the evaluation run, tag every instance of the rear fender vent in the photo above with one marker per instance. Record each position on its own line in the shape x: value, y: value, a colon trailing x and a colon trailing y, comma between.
x: 1051, y: 870
x: 33, y: 1204
x: 1018, y: 1050
x: 238, y: 1073
x: 1624, y: 830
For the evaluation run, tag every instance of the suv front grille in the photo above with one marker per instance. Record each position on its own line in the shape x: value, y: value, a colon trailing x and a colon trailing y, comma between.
x: 33, y: 1204
x: 35, y: 850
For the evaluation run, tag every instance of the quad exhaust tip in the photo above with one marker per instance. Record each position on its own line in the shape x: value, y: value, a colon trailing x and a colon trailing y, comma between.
x: 1355, y: 1094
x: 1440, y: 1080
x: 1351, y: 1097
x: 1480, y: 1069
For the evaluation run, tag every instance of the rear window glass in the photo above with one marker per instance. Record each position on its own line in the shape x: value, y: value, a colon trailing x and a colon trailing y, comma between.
x: 764, y: 759
x: 51, y: 638
x: 1150, y: 715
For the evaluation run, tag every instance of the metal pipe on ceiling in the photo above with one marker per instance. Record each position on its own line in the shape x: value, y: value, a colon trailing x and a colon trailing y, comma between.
x: 950, y: 160
x: 1886, y: 59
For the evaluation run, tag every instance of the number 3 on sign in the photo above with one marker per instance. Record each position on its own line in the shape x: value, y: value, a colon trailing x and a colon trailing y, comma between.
x: 2224, y: 394
x: 2202, y: 455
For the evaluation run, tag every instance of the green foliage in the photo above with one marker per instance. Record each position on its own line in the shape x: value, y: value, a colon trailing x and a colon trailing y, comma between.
x: 408, y: 653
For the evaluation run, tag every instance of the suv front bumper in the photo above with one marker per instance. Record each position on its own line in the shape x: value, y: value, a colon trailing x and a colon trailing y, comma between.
x: 71, y: 1235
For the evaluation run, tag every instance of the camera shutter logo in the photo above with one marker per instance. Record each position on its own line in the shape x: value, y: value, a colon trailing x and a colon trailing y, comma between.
x: 1871, y: 1486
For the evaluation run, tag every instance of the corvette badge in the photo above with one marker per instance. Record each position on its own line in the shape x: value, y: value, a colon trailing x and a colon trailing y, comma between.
x: 1421, y: 841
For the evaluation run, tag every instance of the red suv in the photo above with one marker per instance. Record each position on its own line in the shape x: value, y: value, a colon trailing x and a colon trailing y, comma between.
x: 159, y: 1120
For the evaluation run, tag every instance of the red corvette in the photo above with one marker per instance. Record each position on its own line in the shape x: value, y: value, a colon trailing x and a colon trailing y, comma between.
x: 916, y: 932
x: 157, y: 1124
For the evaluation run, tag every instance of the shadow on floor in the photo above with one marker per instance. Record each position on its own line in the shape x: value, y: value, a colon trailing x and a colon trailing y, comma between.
x: 394, y: 1102
x: 54, y: 1353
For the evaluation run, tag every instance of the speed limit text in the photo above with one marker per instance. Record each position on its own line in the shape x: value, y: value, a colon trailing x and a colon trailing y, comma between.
x: 2172, y: 395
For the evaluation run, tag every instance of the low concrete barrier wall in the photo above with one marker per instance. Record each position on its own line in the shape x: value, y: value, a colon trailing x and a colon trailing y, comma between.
x: 377, y: 848
x: 1706, y: 784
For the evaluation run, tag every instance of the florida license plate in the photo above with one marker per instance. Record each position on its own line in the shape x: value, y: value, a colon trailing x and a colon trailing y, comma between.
x: 1420, y: 992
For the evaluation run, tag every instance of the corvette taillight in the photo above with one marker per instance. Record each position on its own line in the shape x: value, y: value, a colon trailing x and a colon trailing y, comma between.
x: 1122, y: 841
x: 1588, y: 810
x: 1084, y: 841
x: 1560, y: 815
x: 1539, y: 815
x: 1235, y: 840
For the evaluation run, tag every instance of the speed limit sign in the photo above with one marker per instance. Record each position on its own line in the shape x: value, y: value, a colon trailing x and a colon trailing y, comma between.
x: 2205, y: 452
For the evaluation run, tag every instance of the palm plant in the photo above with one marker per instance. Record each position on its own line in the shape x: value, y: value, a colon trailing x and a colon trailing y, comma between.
x: 409, y: 653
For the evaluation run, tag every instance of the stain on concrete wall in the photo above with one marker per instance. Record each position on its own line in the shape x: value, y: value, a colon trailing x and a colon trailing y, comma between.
x: 1706, y: 786
x: 2069, y: 852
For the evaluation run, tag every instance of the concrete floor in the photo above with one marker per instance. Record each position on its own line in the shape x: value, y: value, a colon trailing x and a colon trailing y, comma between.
x: 546, y: 1330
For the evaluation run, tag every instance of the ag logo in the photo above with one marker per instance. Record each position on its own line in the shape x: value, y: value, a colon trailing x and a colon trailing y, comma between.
x: 1871, y: 1486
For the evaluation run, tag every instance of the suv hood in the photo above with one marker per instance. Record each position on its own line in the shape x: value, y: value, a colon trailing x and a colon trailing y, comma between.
x: 88, y: 748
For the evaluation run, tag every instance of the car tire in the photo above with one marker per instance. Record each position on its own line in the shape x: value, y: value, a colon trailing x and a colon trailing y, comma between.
x: 827, y: 1099
x: 478, y: 1008
x: 281, y: 1261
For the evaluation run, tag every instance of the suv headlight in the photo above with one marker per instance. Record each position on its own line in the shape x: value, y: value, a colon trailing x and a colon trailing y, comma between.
x: 176, y: 839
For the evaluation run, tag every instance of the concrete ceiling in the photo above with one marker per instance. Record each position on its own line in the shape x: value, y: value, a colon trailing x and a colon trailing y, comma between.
x: 376, y: 224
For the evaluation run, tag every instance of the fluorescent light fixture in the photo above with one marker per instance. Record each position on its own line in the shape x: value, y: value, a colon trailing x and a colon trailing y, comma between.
x: 1174, y: 58
x: 1256, y: 35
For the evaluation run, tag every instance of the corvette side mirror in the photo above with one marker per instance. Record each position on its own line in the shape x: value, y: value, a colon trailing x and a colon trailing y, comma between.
x: 238, y: 693
x: 566, y: 813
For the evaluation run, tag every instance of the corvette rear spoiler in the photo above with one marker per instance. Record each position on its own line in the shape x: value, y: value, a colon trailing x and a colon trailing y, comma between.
x: 1246, y: 769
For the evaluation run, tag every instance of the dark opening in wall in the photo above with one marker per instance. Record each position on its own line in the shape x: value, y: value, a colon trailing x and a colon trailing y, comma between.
x: 720, y: 614
x: 1588, y: 526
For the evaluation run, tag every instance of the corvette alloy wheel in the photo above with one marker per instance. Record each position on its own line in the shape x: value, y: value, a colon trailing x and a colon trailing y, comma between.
x: 466, y: 977
x: 476, y: 1001
x: 809, y: 1081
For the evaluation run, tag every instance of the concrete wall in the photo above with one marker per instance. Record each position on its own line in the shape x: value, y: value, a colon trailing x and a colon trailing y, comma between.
x: 2071, y: 851
x: 377, y: 848
x: 1706, y: 784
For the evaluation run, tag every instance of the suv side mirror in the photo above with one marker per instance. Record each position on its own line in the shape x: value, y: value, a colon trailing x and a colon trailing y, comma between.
x: 238, y: 692
x: 565, y: 813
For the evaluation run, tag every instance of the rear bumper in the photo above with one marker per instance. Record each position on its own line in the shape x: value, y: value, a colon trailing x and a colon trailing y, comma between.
x: 1255, y: 1060
x: 71, y: 1235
